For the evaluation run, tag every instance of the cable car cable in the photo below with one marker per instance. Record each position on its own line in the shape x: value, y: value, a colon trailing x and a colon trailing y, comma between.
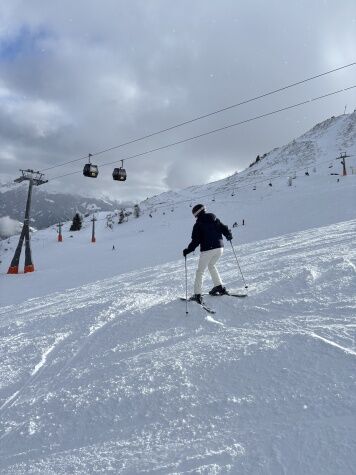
x: 246, y: 101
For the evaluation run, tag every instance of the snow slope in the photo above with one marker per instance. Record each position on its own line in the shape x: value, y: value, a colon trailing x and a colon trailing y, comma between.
x: 103, y: 372
x: 113, y: 377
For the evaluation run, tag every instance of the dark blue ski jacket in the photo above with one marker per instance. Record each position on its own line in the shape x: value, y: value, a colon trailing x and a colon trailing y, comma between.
x: 208, y: 231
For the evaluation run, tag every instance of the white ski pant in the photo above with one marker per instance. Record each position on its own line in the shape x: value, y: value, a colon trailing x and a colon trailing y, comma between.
x: 208, y: 259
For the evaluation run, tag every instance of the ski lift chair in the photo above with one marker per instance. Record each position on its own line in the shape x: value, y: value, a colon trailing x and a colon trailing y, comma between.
x: 90, y: 170
x: 119, y: 174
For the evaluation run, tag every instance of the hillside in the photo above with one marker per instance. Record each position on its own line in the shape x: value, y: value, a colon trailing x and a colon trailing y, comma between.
x: 315, y: 152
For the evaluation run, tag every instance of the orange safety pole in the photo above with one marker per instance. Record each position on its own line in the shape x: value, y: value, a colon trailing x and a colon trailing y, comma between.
x: 60, y: 238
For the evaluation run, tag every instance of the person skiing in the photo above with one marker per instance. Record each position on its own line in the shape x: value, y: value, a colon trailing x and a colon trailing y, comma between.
x: 207, y: 232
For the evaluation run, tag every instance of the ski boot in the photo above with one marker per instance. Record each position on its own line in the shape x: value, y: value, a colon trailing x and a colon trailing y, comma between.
x: 218, y: 290
x: 197, y: 298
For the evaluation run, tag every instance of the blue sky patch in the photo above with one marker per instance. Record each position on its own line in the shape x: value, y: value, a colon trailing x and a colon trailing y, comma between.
x: 26, y: 42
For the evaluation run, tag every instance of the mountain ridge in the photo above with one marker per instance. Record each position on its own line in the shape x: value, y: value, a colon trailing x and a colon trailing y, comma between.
x: 317, y: 147
x: 48, y: 208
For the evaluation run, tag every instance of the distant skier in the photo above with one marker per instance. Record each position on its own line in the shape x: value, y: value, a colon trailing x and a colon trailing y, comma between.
x: 113, y: 247
x: 207, y: 232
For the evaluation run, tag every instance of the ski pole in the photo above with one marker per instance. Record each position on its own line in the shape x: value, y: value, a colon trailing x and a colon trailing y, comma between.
x: 246, y: 286
x: 186, y: 286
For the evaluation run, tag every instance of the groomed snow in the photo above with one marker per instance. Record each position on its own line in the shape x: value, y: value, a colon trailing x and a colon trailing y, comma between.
x: 113, y: 376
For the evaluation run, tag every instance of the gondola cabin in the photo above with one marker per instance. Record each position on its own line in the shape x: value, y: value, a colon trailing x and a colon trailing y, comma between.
x: 90, y: 170
x: 119, y: 174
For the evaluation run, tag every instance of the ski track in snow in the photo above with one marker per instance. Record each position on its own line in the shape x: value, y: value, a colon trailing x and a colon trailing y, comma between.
x: 113, y: 376
x: 46, y: 353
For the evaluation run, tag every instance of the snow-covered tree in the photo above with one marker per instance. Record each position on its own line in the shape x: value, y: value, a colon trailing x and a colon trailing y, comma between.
x: 122, y: 216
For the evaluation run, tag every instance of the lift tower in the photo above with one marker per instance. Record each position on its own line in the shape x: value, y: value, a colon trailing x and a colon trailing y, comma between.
x: 343, y: 157
x: 34, y: 178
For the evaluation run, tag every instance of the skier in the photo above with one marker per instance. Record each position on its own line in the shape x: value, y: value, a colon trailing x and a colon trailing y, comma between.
x: 208, y: 231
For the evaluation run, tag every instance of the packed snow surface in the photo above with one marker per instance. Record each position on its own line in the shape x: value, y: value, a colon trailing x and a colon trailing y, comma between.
x: 102, y: 371
x: 113, y: 376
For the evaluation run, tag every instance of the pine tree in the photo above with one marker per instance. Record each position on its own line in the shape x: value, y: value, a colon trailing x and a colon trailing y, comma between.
x: 122, y: 216
x: 77, y: 223
x: 109, y: 223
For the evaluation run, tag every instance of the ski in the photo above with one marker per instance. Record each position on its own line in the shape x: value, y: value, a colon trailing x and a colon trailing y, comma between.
x: 238, y: 295
x: 205, y: 307
x: 228, y: 295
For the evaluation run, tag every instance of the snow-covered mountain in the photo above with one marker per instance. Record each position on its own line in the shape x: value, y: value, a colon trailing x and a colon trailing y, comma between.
x: 315, y: 152
x: 47, y: 208
x: 102, y: 371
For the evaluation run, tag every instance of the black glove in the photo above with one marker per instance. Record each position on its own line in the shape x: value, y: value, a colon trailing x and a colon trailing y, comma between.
x: 229, y: 237
x: 185, y: 252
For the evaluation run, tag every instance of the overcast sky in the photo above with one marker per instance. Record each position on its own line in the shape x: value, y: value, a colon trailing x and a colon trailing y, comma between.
x: 77, y: 77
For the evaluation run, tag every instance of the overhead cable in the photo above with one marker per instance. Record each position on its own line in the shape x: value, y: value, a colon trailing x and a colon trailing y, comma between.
x: 181, y: 124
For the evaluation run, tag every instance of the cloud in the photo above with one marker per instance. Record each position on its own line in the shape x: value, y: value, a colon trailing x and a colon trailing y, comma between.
x: 181, y: 175
x: 9, y: 227
x: 90, y: 75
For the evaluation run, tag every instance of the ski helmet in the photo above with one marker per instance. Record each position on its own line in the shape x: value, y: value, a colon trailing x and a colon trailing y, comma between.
x: 197, y: 209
